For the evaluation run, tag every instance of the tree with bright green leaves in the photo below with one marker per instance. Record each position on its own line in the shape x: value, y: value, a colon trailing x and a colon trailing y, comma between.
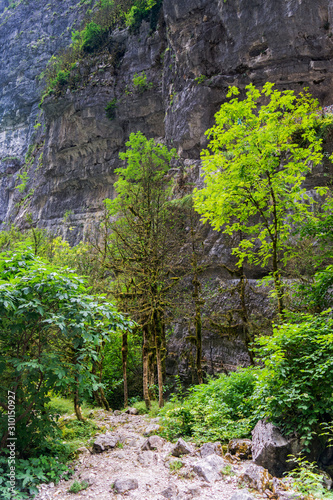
x: 139, y: 246
x: 260, y: 151
x: 50, y: 334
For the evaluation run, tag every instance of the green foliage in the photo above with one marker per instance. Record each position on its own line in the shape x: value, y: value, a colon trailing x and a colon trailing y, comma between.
x: 308, y: 480
x: 254, y: 173
x: 78, y: 486
x: 295, y: 388
x: 24, y: 180
x: 50, y: 330
x: 227, y: 471
x: 92, y: 37
x: 141, y: 407
x: 175, y: 465
x: 60, y: 405
x: 220, y: 410
x: 143, y: 9
x: 140, y: 82
x: 29, y: 473
x: 74, y: 429
x: 200, y: 79
x: 111, y: 109
x: 112, y: 378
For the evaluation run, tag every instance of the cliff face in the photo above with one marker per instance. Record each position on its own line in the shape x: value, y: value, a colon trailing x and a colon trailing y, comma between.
x: 199, y: 48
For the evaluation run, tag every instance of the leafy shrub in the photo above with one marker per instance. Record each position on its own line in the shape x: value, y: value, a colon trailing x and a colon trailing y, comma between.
x: 77, y: 486
x: 29, y: 473
x: 143, y: 9
x: 111, y: 109
x: 140, y: 82
x: 220, y: 410
x: 75, y: 429
x: 295, y: 388
x: 92, y: 37
x: 308, y: 480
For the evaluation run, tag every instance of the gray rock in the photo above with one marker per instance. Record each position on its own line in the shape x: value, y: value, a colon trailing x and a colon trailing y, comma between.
x: 123, y: 485
x: 270, y: 448
x: 181, y: 448
x: 151, y: 429
x: 194, y: 492
x: 88, y: 477
x: 257, y: 477
x: 170, y: 492
x: 82, y: 450
x: 209, y: 468
x: 105, y: 442
x: 153, y: 443
x: 132, y: 411
x: 147, y: 458
x: 242, y: 448
x: 242, y: 495
x: 117, y: 413
x: 210, y: 448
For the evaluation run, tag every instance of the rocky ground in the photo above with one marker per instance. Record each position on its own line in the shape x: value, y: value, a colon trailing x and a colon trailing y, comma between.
x: 129, y: 459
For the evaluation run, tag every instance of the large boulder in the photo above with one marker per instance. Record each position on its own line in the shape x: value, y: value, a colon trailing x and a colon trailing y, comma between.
x: 271, y: 449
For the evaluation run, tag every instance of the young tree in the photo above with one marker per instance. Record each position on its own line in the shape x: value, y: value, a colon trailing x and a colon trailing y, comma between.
x: 140, y: 247
x: 50, y: 333
x: 255, y: 165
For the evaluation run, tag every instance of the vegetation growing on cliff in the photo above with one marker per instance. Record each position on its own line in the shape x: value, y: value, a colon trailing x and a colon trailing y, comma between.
x: 62, y: 70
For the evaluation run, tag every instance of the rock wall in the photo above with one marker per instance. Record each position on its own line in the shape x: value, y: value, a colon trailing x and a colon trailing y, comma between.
x: 199, y: 48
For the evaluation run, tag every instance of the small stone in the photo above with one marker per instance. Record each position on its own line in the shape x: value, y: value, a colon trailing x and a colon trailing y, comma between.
x: 117, y: 413
x: 123, y: 485
x: 170, y: 492
x: 257, y: 478
x: 131, y: 411
x: 194, y: 492
x: 151, y: 429
x: 153, y: 443
x: 181, y: 448
x: 209, y: 468
x: 242, y: 448
x: 147, y: 458
x: 242, y: 495
x: 88, y: 478
x: 210, y: 448
x: 82, y: 450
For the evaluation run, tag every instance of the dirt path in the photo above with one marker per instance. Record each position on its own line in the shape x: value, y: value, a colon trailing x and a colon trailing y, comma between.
x: 153, y: 474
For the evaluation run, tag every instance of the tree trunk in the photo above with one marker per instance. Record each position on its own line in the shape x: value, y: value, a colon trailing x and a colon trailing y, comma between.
x: 124, y: 352
x: 145, y: 367
x: 77, y: 407
x: 158, y: 344
x: 277, y: 282
x: 246, y: 330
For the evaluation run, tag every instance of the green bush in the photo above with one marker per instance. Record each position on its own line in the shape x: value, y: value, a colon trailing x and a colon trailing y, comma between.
x: 92, y: 37
x: 296, y: 386
x: 29, y: 473
x: 111, y: 109
x: 220, y: 410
